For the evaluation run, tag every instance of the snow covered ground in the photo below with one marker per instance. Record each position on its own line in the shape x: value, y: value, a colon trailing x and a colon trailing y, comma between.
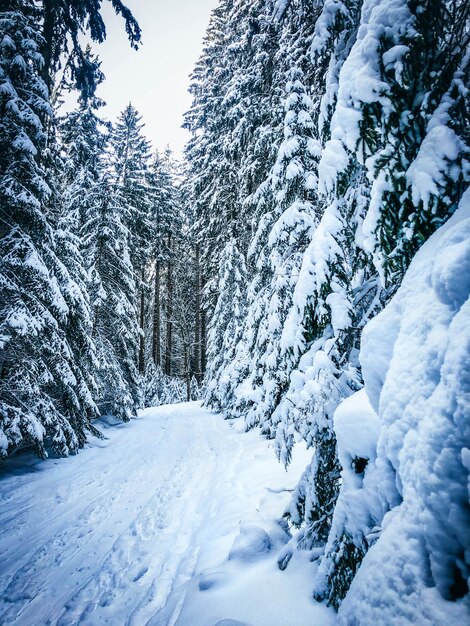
x: 170, y: 520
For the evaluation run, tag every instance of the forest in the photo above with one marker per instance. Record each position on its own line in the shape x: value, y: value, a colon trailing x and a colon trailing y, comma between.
x: 303, y: 270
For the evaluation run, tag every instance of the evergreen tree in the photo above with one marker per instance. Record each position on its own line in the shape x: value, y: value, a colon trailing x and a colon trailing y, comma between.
x: 399, y: 114
x: 106, y: 240
x: 289, y: 225
x: 63, y: 22
x: 226, y: 325
x: 99, y: 214
x: 45, y: 400
x: 130, y: 158
x: 231, y: 147
x: 407, y: 125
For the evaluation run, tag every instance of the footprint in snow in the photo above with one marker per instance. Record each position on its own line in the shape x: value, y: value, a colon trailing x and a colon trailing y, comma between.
x: 210, y: 580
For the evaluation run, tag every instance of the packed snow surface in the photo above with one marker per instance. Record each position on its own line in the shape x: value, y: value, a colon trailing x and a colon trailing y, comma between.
x: 170, y: 520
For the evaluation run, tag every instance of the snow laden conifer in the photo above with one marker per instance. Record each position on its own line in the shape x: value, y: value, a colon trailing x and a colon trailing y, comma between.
x: 337, y: 292
x: 285, y: 231
x: 211, y: 175
x: 232, y: 148
x: 45, y: 398
x: 101, y: 215
x: 416, y: 179
x: 130, y: 156
x: 346, y: 224
x: 401, y: 113
x: 260, y: 89
x: 226, y: 325
x: 112, y: 288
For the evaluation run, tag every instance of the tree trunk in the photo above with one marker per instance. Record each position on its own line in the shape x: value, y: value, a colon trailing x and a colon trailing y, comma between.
x: 187, y: 372
x: 156, y: 348
x: 48, y: 23
x: 142, y: 321
x: 203, y: 343
x: 197, y: 322
x: 169, y: 322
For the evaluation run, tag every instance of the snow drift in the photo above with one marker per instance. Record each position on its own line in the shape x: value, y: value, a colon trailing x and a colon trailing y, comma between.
x: 415, y: 494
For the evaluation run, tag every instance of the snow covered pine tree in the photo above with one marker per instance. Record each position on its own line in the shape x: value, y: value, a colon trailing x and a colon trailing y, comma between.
x: 46, y: 394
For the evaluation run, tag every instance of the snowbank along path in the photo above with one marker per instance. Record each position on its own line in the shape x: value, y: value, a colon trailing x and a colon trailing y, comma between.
x: 170, y: 520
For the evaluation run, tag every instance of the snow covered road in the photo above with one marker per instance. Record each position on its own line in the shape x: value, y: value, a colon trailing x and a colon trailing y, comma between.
x: 140, y: 529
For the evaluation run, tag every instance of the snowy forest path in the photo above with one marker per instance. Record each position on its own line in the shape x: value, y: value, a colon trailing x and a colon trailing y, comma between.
x: 120, y: 533
x: 74, y: 542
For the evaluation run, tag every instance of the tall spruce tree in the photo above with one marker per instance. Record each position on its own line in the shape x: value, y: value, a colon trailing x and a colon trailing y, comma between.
x: 48, y: 357
x: 112, y: 286
x: 45, y: 397
x: 99, y: 214
x: 401, y: 115
x: 130, y: 155
x: 226, y: 325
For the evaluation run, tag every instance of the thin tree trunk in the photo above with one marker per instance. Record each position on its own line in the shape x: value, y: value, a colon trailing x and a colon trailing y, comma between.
x: 156, y: 348
x: 49, y: 17
x: 169, y: 323
x: 187, y: 372
x: 197, y: 325
x: 203, y: 343
x: 142, y: 334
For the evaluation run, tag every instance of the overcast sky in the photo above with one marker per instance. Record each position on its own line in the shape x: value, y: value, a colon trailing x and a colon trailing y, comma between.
x: 155, y: 78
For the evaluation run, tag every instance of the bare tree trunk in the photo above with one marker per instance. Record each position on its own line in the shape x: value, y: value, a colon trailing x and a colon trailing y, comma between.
x: 49, y: 9
x: 187, y: 371
x: 197, y: 325
x: 169, y: 322
x: 142, y: 321
x: 203, y: 343
x: 156, y: 348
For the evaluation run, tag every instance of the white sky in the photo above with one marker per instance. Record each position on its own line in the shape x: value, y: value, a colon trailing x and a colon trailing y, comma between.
x: 156, y: 77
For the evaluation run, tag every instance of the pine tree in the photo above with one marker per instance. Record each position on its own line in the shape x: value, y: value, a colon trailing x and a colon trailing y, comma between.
x: 130, y: 157
x: 106, y: 241
x: 226, y: 325
x: 101, y: 215
x: 394, y: 140
x: 45, y: 400
x: 229, y: 119
x: 291, y: 222
x: 406, y: 96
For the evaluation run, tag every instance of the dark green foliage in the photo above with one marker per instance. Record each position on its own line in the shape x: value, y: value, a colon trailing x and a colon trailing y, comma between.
x: 63, y: 23
x: 48, y: 358
x: 45, y: 392
x: 346, y: 558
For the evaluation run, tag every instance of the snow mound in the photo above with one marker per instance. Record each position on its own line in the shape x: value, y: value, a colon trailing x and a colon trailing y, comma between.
x: 416, y: 364
x: 358, y: 509
x: 251, y: 544
x: 357, y: 430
